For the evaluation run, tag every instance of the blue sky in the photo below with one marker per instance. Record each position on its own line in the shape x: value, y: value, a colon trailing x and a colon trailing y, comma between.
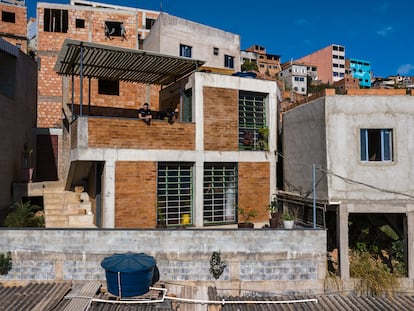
x: 379, y: 31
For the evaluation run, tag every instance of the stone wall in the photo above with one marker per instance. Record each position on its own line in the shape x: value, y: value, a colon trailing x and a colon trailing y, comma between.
x: 265, y: 260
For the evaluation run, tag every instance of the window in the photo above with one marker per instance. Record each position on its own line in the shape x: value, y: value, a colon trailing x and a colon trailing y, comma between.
x: 228, y: 61
x: 8, y: 17
x: 335, y: 74
x: 216, y: 51
x: 376, y: 145
x: 108, y: 87
x: 252, y: 118
x: 185, y: 50
x: 149, y: 22
x: 341, y: 48
x: 55, y: 20
x: 80, y: 23
x: 113, y: 28
x: 175, y: 193
x: 187, y: 108
x: 335, y: 65
x: 220, y: 193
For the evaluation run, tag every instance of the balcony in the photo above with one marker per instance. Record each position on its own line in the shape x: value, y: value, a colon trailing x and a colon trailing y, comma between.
x: 131, y: 133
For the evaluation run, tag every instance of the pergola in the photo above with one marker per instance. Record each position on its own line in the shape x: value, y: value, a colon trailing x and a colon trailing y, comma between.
x: 100, y: 61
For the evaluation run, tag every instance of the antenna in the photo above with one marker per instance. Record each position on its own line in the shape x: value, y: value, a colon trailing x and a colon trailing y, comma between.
x: 160, y: 6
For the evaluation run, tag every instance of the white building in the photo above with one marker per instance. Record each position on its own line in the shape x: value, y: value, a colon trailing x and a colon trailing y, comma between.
x: 175, y: 36
x: 362, y: 146
x: 294, y: 75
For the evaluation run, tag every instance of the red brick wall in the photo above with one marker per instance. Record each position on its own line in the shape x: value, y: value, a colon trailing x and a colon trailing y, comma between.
x: 135, y: 194
x: 221, y: 119
x: 50, y: 43
x: 18, y: 28
x: 136, y: 134
x: 254, y: 188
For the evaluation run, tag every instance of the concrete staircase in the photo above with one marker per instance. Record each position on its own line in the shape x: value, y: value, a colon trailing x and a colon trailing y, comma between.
x: 64, y: 209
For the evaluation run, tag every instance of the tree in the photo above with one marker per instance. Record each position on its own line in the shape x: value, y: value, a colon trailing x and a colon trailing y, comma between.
x: 248, y: 65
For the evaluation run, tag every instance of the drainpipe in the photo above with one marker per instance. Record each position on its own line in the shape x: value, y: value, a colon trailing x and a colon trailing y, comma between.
x: 81, y: 78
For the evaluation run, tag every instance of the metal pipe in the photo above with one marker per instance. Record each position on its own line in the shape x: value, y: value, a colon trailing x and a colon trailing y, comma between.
x: 81, y: 78
x: 314, y: 194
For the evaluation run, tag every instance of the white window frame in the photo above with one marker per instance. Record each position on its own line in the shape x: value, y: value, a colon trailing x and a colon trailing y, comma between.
x: 385, y: 152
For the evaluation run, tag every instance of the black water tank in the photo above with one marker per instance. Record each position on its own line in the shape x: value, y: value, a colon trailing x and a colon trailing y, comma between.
x: 129, y: 274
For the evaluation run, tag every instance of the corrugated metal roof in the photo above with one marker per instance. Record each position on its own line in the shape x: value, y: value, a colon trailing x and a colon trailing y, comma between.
x: 103, y: 61
x: 8, y: 47
x: 324, y: 302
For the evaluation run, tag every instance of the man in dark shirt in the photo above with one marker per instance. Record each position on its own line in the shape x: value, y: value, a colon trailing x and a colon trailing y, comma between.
x: 145, y: 114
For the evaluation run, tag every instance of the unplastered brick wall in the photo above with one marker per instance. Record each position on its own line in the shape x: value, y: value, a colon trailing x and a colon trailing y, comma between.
x: 136, y: 134
x: 131, y: 95
x: 220, y: 119
x: 50, y: 43
x: 135, y: 194
x: 254, y: 188
x: 16, y: 29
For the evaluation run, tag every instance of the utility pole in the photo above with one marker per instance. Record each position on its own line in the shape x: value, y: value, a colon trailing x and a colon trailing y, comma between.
x: 314, y: 194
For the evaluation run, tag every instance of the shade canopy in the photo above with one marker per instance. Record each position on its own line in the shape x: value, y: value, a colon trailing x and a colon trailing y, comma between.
x: 101, y: 61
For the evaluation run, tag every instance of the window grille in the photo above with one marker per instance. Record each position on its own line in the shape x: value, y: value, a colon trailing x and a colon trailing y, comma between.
x: 175, y: 193
x: 220, y: 193
x: 252, y: 117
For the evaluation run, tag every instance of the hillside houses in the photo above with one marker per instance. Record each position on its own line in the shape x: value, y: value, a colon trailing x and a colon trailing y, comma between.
x: 219, y: 147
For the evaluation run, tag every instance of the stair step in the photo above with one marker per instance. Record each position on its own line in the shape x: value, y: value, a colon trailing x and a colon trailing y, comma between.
x: 81, y: 219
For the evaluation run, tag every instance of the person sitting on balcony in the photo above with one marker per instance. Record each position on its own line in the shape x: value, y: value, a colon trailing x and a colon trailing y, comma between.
x: 144, y: 114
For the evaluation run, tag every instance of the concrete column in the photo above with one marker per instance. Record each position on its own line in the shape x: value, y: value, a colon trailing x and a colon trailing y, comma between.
x: 108, y: 195
x: 410, y: 244
x: 342, y: 221
x: 198, y: 193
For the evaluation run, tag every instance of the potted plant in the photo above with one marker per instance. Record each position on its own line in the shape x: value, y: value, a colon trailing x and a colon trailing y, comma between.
x: 273, y: 207
x: 27, y: 170
x: 262, y: 141
x: 246, y: 214
x: 288, y: 220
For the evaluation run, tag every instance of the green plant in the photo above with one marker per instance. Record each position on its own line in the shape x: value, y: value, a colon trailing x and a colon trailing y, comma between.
x: 273, y: 207
x: 24, y: 214
x: 262, y: 141
x: 287, y: 216
x: 246, y: 214
x: 374, y: 277
x: 217, y: 266
x: 248, y: 65
x: 5, y: 263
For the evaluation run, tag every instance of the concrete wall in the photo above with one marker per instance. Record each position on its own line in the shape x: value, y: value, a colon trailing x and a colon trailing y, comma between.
x: 275, y: 261
x: 171, y: 31
x: 18, y: 116
x: 304, y: 144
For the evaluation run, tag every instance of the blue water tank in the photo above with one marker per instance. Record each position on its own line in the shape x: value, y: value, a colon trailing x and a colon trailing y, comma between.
x: 129, y: 274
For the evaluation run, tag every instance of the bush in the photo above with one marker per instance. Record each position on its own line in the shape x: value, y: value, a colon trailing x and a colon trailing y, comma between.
x: 375, y: 277
x: 5, y: 263
x: 24, y: 214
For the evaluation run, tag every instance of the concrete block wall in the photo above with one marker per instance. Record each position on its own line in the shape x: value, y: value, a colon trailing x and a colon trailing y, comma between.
x: 276, y: 261
x: 135, y: 194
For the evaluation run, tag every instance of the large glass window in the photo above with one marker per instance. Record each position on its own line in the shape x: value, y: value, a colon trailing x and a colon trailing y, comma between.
x: 175, y: 193
x: 376, y: 145
x: 220, y: 193
x: 252, y: 121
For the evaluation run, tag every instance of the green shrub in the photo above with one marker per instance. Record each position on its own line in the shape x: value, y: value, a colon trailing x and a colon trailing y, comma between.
x: 375, y: 278
x: 24, y: 214
x: 5, y: 263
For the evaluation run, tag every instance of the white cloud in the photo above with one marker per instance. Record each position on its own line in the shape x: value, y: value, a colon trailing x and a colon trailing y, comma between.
x: 405, y: 69
x: 384, y: 32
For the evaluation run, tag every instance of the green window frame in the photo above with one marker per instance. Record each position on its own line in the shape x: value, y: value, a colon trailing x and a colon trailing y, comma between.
x: 175, y: 193
x: 252, y: 120
x: 220, y: 193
